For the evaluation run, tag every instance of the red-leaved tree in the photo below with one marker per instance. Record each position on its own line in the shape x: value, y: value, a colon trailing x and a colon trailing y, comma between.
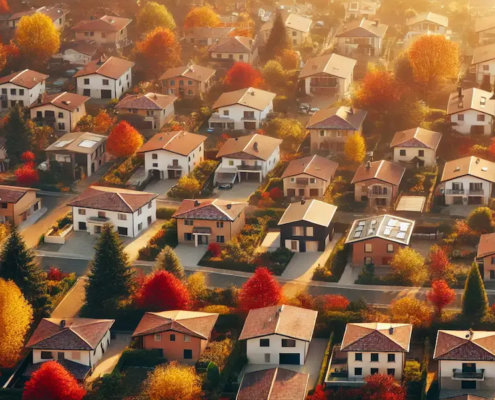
x: 162, y: 291
x: 124, y: 140
x: 261, y: 290
x: 27, y: 175
x: 243, y: 75
x: 276, y: 193
x: 27, y: 157
x: 440, y: 295
x: 4, y: 7
x: 52, y: 382
x: 55, y: 274
x: 214, y: 249
x: 335, y: 302
x: 318, y: 394
x: 438, y: 261
x: 382, y: 387
x: 103, y: 122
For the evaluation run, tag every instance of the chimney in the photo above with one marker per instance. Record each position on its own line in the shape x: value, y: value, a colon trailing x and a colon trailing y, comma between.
x: 471, y: 334
x: 351, y: 110
x: 391, y: 330
x: 303, y: 201
x: 255, y: 146
x: 229, y: 206
x: 368, y: 165
x: 377, y: 22
x: 459, y: 91
x: 62, y: 323
x: 196, y: 203
x: 477, y: 161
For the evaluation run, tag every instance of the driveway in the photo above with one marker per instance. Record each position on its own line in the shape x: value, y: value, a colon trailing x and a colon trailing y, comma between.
x: 111, y: 356
x: 77, y: 244
x: 161, y: 187
x: 460, y: 210
x: 71, y: 304
x: 133, y: 245
x: 239, y: 192
x: 189, y: 255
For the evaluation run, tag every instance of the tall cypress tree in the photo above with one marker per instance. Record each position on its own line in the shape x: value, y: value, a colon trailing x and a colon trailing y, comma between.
x: 110, y: 279
x: 17, y: 134
x: 279, y: 40
x: 168, y: 261
x: 474, y: 299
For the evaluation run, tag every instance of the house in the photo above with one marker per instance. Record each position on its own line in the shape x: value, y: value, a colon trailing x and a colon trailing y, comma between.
x: 485, y: 29
x: 467, y: 180
x: 61, y: 111
x: 416, y: 146
x: 235, y: 48
x: 17, y: 204
x: 245, y: 157
x: 21, y: 88
x: 83, y: 151
x: 371, y: 348
x: 471, y: 111
x: 361, y: 38
x: 465, y: 360
x: 170, y: 155
x: 206, y: 36
x: 104, y: 78
x: 129, y: 211
x: 484, y: 63
x: 189, y: 80
x: 179, y: 335
x: 357, y: 9
x: 273, y: 384
x: 328, y: 74
x: 79, y: 52
x: 308, y: 176
x: 307, y: 226
x: 278, y: 334
x: 426, y: 23
x: 107, y: 30
x: 147, y: 111
x: 329, y: 128
x: 297, y: 28
x: 78, y: 344
x: 377, y: 182
x: 375, y: 240
x: 56, y: 14
x: 485, y: 256
x: 242, y: 109
x: 209, y: 221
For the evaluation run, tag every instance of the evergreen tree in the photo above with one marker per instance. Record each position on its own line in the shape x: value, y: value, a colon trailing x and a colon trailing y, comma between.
x: 17, y: 134
x: 474, y: 300
x: 279, y: 40
x: 167, y: 260
x: 110, y: 279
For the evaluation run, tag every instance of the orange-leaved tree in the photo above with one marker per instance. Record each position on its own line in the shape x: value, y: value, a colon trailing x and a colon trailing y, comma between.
x: 124, y: 140
x: 261, y: 290
x: 440, y: 295
x: 4, y: 7
x: 438, y: 261
x: 289, y: 59
x: 103, y: 122
x: 201, y: 17
x: 242, y: 75
x: 162, y: 291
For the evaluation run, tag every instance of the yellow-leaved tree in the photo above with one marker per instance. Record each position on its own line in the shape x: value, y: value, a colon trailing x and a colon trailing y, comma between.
x: 408, y: 267
x: 16, y: 315
x: 173, y: 381
x: 355, y: 148
x: 411, y: 310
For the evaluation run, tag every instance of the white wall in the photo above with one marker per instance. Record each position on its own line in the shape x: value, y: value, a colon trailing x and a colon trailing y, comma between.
x: 266, y: 166
x: 74, y: 57
x: 69, y: 119
x: 343, y: 42
x: 471, y: 119
x: 166, y: 158
x: 95, y: 85
x: 466, y: 180
x: 481, y: 71
x: 256, y: 354
x: 236, y: 113
x: 382, y: 364
x: 429, y: 157
x: 445, y: 373
x: 29, y: 97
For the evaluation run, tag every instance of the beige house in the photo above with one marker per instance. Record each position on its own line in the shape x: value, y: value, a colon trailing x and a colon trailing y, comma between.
x: 56, y: 14
x: 308, y: 176
x: 107, y: 30
x: 297, y: 28
x: 17, y: 204
x: 21, y: 88
x: 485, y: 29
x: 484, y: 63
x: 206, y: 36
x: 361, y: 38
x: 485, y: 256
x: 416, y: 147
x: 189, y: 80
x: 209, y: 221
x: 61, y: 111
x: 235, y: 48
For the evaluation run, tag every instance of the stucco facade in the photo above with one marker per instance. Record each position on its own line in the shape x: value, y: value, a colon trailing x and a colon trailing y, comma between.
x: 330, y: 139
x: 369, y: 46
x: 464, y: 121
x: 382, y: 363
x: 181, y: 86
x: 12, y: 95
x: 102, y: 87
x: 18, y: 212
x: 375, y: 192
x: 447, y: 380
x: 155, y: 118
x: 58, y: 119
x: 117, y: 39
x: 304, y: 185
x: 239, y: 117
x: 247, y: 57
x: 377, y: 251
x: 407, y: 154
x: 175, y: 346
x: 172, y: 165
x: 486, y: 68
x: 258, y: 353
x: 243, y: 167
x: 467, y: 190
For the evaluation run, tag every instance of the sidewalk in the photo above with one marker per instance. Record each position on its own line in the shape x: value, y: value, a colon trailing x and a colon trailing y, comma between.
x: 111, y: 357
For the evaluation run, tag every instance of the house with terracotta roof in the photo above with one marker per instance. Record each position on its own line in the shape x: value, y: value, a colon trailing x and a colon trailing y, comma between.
x: 235, y: 48
x: 147, y: 111
x: 484, y: 63
x: 368, y: 349
x: 189, y: 80
x: 278, y: 334
x: 78, y: 344
x: 206, y: 36
x: 416, y: 146
x: 307, y: 226
x: 361, y: 37
x: 308, y: 176
x: 104, y: 78
x: 85, y: 152
x: 78, y: 52
x: 357, y: 9
x: 247, y: 157
x: 375, y: 240
x: 485, y: 256
x: 467, y: 180
x: 484, y: 27
x: 471, y: 111
x: 21, y: 88
x: 273, y: 384
x: 327, y: 74
x: 466, y: 361
x: 170, y: 155
x: 329, y: 128
x: 56, y: 14
x: 107, y: 30
x: 60, y: 111
x: 17, y: 204
x: 297, y: 27
x: 179, y: 335
x: 209, y: 221
x: 129, y: 211
x: 377, y: 182
x: 427, y: 23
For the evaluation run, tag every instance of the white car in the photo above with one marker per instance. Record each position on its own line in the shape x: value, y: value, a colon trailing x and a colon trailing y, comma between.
x: 303, y: 108
x: 313, y: 111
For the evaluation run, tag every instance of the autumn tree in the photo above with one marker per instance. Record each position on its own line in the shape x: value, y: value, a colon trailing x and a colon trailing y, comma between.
x: 3, y: 54
x: 27, y: 175
x: 408, y: 266
x: 42, y: 137
x: 153, y: 15
x: 103, y: 122
x: 52, y: 382
x: 124, y: 140
x: 355, y: 148
x: 378, y: 91
x: 480, y: 220
x: 439, y: 264
x: 4, y: 7
x: 289, y: 59
x: 188, y: 186
x: 261, y: 290
x: 474, y: 299
x: 173, y: 381
x: 291, y: 131
x: 382, y: 387
x: 242, y: 75
x: 162, y: 291
x: 196, y: 286
x: 440, y: 295
x: 17, y: 134
x: 274, y: 74
x: 168, y: 261
x: 278, y: 40
x: 200, y: 17
x: 335, y: 302
x: 16, y: 315
x: 412, y: 310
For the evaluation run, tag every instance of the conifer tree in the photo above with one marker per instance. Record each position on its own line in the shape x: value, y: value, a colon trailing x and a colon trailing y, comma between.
x: 279, y: 40
x: 17, y: 134
x: 474, y: 299
x: 167, y: 260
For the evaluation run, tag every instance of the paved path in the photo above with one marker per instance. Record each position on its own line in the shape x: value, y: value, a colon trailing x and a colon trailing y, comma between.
x: 71, y: 304
x: 137, y: 243
x: 111, y: 357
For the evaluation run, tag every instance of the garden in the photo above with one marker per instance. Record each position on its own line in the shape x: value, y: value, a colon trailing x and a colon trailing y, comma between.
x: 335, y: 264
x: 166, y: 236
x: 198, y: 184
x: 119, y: 174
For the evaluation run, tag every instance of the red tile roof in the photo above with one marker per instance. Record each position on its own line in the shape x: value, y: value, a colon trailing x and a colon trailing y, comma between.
x: 12, y: 194
x: 179, y: 142
x: 208, y: 209
x: 465, y: 346
x: 418, y: 138
x: 234, y: 44
x: 250, y: 97
x: 377, y: 336
x: 312, y: 211
x: 348, y: 118
x: 255, y: 146
x: 65, y: 100
x: 486, y: 246
x: 27, y: 79
x: 316, y: 166
x: 362, y: 28
x: 106, y: 23
x: 193, y: 71
x: 383, y: 170
x: 473, y: 166
x: 148, y: 101
x: 112, y: 68
x: 331, y: 64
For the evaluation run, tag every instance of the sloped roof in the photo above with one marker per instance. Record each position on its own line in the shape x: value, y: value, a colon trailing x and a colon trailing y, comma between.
x: 53, y: 12
x: 316, y: 166
x: 331, y: 64
x: 194, y: 72
x: 387, y: 227
x: 471, y: 99
x: 193, y: 323
x: 65, y: 100
x: 179, y: 142
x: 377, y: 336
x: 81, y: 46
x: 417, y: 137
x: 107, y: 23
x: 429, y: 17
x: 362, y: 28
x: 473, y: 166
x: 383, y: 170
x: 214, y: 32
x: 314, y: 211
x: 250, y: 97
x: 348, y: 118
x: 208, y: 209
x: 486, y: 246
x: 483, y: 53
x: 465, y: 346
x: 77, y: 142
x: 148, y: 101
x: 291, y: 20
x: 12, y: 194
x: 255, y: 145
x: 27, y: 79
x: 112, y: 68
x: 233, y: 44
x: 484, y: 24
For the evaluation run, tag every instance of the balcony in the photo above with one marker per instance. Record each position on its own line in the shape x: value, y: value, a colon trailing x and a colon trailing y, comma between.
x: 249, y: 167
x: 479, y: 192
x: 478, y: 375
x: 248, y: 118
x: 174, y: 167
x: 372, y: 194
x: 97, y: 220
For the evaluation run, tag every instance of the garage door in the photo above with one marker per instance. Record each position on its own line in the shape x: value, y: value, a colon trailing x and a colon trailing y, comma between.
x: 475, y: 200
x: 313, y: 193
x: 249, y: 125
x: 311, y: 246
x: 290, y: 358
x: 291, y: 192
x: 106, y: 94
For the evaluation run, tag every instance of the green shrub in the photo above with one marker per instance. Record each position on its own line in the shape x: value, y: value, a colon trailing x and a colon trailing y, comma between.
x: 212, y: 375
x: 141, y: 358
x: 335, y: 264
x: 412, y: 378
x: 325, y: 361
x: 164, y: 213
x: 67, y: 220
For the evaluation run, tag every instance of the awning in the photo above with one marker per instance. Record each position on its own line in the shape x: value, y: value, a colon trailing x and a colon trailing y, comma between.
x: 202, y: 230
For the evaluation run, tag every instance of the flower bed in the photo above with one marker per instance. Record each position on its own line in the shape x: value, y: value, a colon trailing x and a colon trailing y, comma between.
x: 56, y: 235
x: 120, y: 174
x: 199, y: 183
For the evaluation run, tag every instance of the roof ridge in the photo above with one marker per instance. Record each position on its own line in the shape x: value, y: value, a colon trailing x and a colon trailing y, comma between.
x: 254, y: 135
x: 379, y: 167
x: 279, y: 317
x: 389, y: 337
x: 125, y: 202
x: 274, y: 379
x: 84, y: 340
x: 307, y: 210
x: 219, y: 209
x: 56, y: 97
x: 19, y: 74
x: 310, y: 161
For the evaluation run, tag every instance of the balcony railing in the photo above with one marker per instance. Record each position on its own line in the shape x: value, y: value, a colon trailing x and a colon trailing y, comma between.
x: 477, y: 375
x: 249, y: 167
x: 479, y: 192
x: 98, y: 220
x: 249, y: 118
x: 377, y: 194
x: 172, y: 166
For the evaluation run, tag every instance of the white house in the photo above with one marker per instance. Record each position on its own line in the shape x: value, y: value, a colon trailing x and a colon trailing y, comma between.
x: 278, y: 334
x: 104, y: 78
x: 416, y: 146
x: 242, y: 109
x: 235, y: 48
x: 297, y: 28
x: 107, y: 30
x: 484, y: 63
x: 189, y: 80
x: 246, y: 157
x: 61, y: 111
x: 129, y: 211
x: 427, y: 23
x: 355, y: 9
x: 77, y: 344
x: 467, y: 180
x: 79, y: 52
x: 485, y: 29
x: 206, y: 36
x: 361, y: 38
x: 170, y: 155
x: 56, y: 14
x: 21, y: 88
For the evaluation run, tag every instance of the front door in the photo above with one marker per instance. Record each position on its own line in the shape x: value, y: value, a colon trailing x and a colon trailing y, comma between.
x: 97, y: 229
x: 301, y: 192
x: 61, y: 356
x: 203, y: 239
x: 468, y: 384
x: 82, y: 226
x: 291, y: 192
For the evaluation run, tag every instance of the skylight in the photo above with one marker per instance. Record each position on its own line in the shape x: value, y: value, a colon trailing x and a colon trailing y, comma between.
x: 373, y: 222
x: 357, y: 234
x: 404, y: 226
x: 87, y: 143
x: 362, y: 223
x: 387, y: 231
x: 63, y: 143
x: 392, y: 222
x: 359, y: 228
x: 484, y: 169
x: 401, y: 235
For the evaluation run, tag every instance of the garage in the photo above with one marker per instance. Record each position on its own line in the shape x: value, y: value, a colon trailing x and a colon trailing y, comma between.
x: 311, y: 246
x: 122, y: 231
x: 314, y: 193
x: 457, y: 200
x: 291, y: 192
x: 475, y: 200
x: 290, y: 358
x: 249, y: 125
x: 106, y: 94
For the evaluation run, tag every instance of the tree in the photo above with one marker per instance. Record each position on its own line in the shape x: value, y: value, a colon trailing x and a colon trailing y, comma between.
x: 289, y: 59
x: 173, y: 381
x: 480, y: 220
x: 103, y: 122
x: 289, y: 130
x: 27, y: 175
x: 409, y: 309
x: 17, y: 134
x: 355, y: 148
x: 439, y: 262
x: 159, y: 51
x: 124, y: 140
x: 212, y: 375
x: 382, y: 387
x: 15, y: 317
x: 408, y: 266
x: 42, y: 137
x: 378, y: 91
x: 110, y: 279
x: 188, y: 186
x: 4, y: 7
x: 474, y: 299
x: 52, y: 382
x: 440, y: 295
x: 335, y: 302
x: 214, y: 249
x: 162, y: 291
x: 3, y: 53
x: 196, y: 286
x: 260, y: 290
x: 37, y: 38
x: 201, y: 17
x: 85, y: 124
x: 153, y: 15
x: 318, y: 394
x: 242, y: 75
x: 167, y: 260
x: 278, y: 40
x: 274, y: 74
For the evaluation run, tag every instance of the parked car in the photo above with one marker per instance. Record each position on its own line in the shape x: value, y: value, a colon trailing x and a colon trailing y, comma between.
x: 225, y: 186
x: 303, y: 108
x: 313, y: 111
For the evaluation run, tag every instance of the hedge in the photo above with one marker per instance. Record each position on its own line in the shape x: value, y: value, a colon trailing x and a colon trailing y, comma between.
x: 335, y: 264
x: 165, y: 213
x: 139, y: 358
x: 325, y: 361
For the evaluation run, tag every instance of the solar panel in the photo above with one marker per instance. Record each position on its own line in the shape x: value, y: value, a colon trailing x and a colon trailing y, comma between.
x: 401, y: 235
x: 359, y: 228
x: 362, y: 223
x: 387, y: 231
x: 404, y: 226
x: 392, y: 222
x: 63, y: 143
x: 373, y: 222
x: 357, y: 234
x: 371, y: 231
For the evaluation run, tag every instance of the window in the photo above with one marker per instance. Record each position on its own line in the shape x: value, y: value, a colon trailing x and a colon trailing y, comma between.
x: 480, y: 117
x: 13, y: 91
x: 106, y: 82
x: 102, y: 214
x: 154, y: 156
x: 390, y: 248
x: 155, y: 165
x: 122, y: 217
x: 187, y: 354
x: 60, y: 114
x: 46, y: 355
x: 189, y: 222
x: 158, y: 337
x: 402, y: 152
x: 373, y: 371
x: 297, y: 231
x: 267, y: 357
x: 264, y: 342
x: 21, y: 92
x: 368, y: 260
x: 486, y: 67
x: 309, y: 231
x: 220, y: 239
x: 188, y: 237
x: 231, y: 56
x: 4, y: 91
x: 294, y: 33
x: 189, y: 92
x: 390, y: 357
x: 172, y: 337
x: 3, y: 205
x: 219, y: 56
x: 189, y: 83
x: 86, y: 81
x: 322, y: 133
x: 231, y: 162
x: 358, y: 371
x: 226, y: 113
x: 288, y: 343
x: 241, y: 57
x: 187, y: 338
x: 21, y: 103
x: 374, y: 357
x: 81, y: 211
x: 391, y: 371
x: 172, y: 82
x: 492, y: 274
x: 492, y: 259
x: 140, y: 226
x: 248, y: 114
x: 358, y: 356
x: 219, y: 224
x: 292, y: 180
x: 457, y: 186
x: 368, y: 248
x: 61, y: 126
x: 76, y: 355
x: 312, y: 180
x: 150, y: 204
x: 140, y: 211
x: 460, y: 117
x: 181, y: 83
